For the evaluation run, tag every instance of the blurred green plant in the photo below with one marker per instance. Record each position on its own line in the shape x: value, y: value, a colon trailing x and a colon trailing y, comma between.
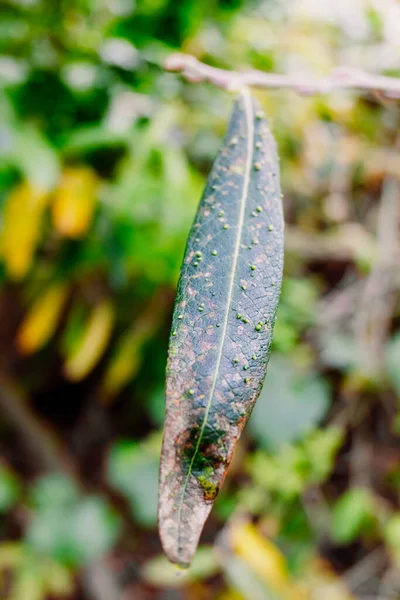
x: 103, y: 156
x: 74, y: 530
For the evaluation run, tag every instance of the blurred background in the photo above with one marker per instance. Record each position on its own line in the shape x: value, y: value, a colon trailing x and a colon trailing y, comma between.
x: 103, y: 157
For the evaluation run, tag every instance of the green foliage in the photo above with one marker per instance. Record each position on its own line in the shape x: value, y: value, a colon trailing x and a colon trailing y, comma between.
x: 304, y: 463
x: 290, y: 405
x: 296, y: 312
x: 393, y: 361
x: 71, y: 529
x: 133, y: 470
x: 352, y: 515
x: 84, y: 98
x: 10, y: 489
x: 392, y: 535
x: 37, y: 577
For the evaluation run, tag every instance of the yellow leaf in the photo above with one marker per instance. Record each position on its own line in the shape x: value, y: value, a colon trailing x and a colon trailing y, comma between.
x: 261, y: 554
x: 322, y: 582
x: 123, y: 365
x: 93, y: 342
x: 230, y: 594
x: 42, y: 319
x: 22, y: 219
x: 128, y: 354
x: 265, y: 559
x: 28, y: 584
x: 11, y: 554
x: 74, y: 202
x: 59, y: 579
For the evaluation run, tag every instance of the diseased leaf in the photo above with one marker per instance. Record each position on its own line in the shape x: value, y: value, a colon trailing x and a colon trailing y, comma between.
x: 222, y: 326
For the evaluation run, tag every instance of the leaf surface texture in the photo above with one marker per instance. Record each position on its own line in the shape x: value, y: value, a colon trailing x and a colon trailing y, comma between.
x: 222, y: 326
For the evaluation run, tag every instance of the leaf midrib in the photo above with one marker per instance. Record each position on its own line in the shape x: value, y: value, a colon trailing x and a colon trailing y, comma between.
x: 246, y: 182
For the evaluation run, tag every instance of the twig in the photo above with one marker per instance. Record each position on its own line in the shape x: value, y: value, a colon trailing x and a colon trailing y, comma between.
x: 339, y: 306
x: 39, y: 440
x: 345, y: 244
x: 343, y: 77
x: 390, y: 584
x: 378, y: 302
x: 100, y: 583
x: 365, y: 569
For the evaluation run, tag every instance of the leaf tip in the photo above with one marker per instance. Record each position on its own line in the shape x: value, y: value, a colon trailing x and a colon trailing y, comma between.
x: 181, y: 557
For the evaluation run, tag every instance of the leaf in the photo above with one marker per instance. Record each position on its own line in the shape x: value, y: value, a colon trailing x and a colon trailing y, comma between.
x: 67, y: 527
x: 9, y: 489
x: 128, y: 354
x: 158, y: 572
x: 42, y: 319
x: 75, y: 201
x: 260, y: 553
x: 392, y: 362
x: 34, y: 575
x: 93, y: 342
x: 305, y: 463
x: 22, y: 223
x: 264, y: 559
x: 36, y: 158
x: 11, y: 555
x: 290, y: 405
x: 222, y: 326
x: 391, y: 534
x: 133, y: 470
x: 352, y: 514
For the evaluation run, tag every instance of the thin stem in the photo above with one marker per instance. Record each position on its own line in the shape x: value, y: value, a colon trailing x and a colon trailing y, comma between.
x: 41, y: 443
x: 344, y: 77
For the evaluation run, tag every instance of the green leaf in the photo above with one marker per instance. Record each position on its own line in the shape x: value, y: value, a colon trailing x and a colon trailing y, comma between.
x: 54, y: 490
x: 9, y: 489
x: 352, y: 513
x: 36, y: 158
x: 133, y: 470
x: 393, y: 361
x: 222, y: 326
x: 304, y: 463
x: 290, y: 405
x: 339, y: 350
x: 69, y: 528
x: 94, y: 529
x: 391, y: 534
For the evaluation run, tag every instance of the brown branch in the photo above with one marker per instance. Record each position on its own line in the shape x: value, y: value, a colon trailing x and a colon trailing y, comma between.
x: 378, y: 302
x: 99, y: 582
x: 41, y: 443
x: 344, y: 77
x: 344, y: 244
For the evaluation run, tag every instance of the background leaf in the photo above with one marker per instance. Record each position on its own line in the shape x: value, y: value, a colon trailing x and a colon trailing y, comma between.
x: 133, y: 470
x: 290, y: 405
